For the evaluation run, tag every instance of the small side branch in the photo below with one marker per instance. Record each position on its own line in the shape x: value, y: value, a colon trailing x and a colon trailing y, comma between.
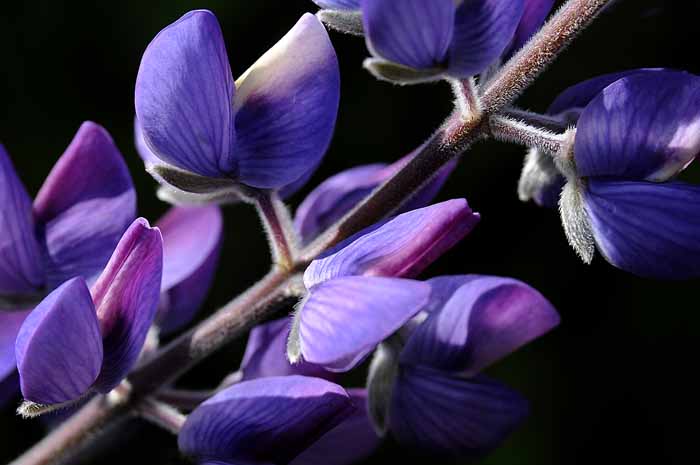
x: 507, y: 129
x: 467, y: 97
x: 549, y: 122
x: 278, y: 225
x: 162, y: 414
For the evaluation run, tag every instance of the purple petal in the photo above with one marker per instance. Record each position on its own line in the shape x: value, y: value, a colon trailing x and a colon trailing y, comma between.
x: 85, y: 205
x: 184, y: 95
x: 402, y: 246
x: 287, y: 104
x: 350, y: 442
x: 10, y: 323
x: 343, y: 320
x: 485, y: 319
x: 482, y: 31
x: 649, y: 229
x: 441, y: 413
x: 20, y: 260
x: 535, y: 12
x: 336, y: 196
x: 268, y: 420
x: 580, y: 95
x: 642, y: 126
x: 266, y: 354
x: 126, y: 298
x: 59, y: 347
x: 350, y: 5
x: 192, y: 239
x: 414, y: 33
x: 142, y: 148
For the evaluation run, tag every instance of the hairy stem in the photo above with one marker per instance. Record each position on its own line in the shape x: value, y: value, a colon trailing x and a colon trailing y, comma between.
x: 162, y: 414
x: 507, y: 129
x: 278, y: 225
x: 261, y: 301
x: 552, y: 123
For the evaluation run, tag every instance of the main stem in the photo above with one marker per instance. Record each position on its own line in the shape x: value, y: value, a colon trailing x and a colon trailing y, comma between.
x: 259, y: 302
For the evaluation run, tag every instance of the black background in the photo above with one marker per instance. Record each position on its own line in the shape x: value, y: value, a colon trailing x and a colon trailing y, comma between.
x: 613, y: 383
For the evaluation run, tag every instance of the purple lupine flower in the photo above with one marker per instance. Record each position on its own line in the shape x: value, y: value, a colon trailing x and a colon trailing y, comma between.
x: 264, y: 421
x: 358, y: 294
x: 78, y: 339
x: 353, y: 439
x: 340, y: 193
x: 266, y: 130
x: 636, y: 131
x: 427, y: 388
x: 535, y: 13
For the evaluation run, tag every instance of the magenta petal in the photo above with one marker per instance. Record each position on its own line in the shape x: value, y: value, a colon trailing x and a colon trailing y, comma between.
x: 644, y: 126
x: 343, y: 320
x: 126, y: 298
x: 184, y: 96
x: 483, y: 29
x: 649, y: 229
x: 485, y: 319
x: 192, y: 239
x: 402, y: 246
x: 264, y: 421
x: 441, y: 413
x: 413, y: 33
x: 286, y: 105
x: 20, y: 259
x: 535, y: 13
x: 350, y: 442
x: 85, y: 205
x: 266, y: 354
x: 59, y: 347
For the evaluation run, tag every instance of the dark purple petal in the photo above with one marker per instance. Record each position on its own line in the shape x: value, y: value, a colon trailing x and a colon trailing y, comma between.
x: 413, y: 33
x: 20, y: 259
x: 10, y: 323
x: 126, y: 298
x: 649, y: 229
x: 85, y: 205
x: 337, y: 195
x: 339, y: 4
x: 192, y: 239
x: 485, y: 319
x: 402, y: 246
x: 266, y: 354
x: 645, y: 126
x: 184, y: 95
x: 59, y: 347
x: 350, y: 442
x: 535, y: 12
x: 343, y: 320
x: 286, y: 105
x: 580, y: 95
x: 267, y: 420
x: 482, y: 31
x: 441, y: 413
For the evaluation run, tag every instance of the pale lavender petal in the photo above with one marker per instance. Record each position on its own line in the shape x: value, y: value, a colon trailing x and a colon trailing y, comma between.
x: 10, y: 323
x: 337, y: 195
x: 85, y: 205
x: 286, y: 105
x: 581, y: 94
x: 485, y: 319
x: 267, y: 420
x: 414, y: 33
x: 343, y: 320
x: 649, y: 229
x: 482, y: 31
x: 351, y: 5
x: 535, y: 12
x: 126, y: 298
x: 59, y: 347
x: 441, y: 413
x: 184, y: 96
x: 192, y: 239
x: 266, y: 354
x: 402, y: 246
x: 20, y: 259
x: 645, y: 126
x: 350, y: 442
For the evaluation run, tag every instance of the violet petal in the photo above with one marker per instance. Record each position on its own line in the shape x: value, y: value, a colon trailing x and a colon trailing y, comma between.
x: 10, y: 323
x: 59, y: 347
x: 343, y: 5
x: 535, y: 13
